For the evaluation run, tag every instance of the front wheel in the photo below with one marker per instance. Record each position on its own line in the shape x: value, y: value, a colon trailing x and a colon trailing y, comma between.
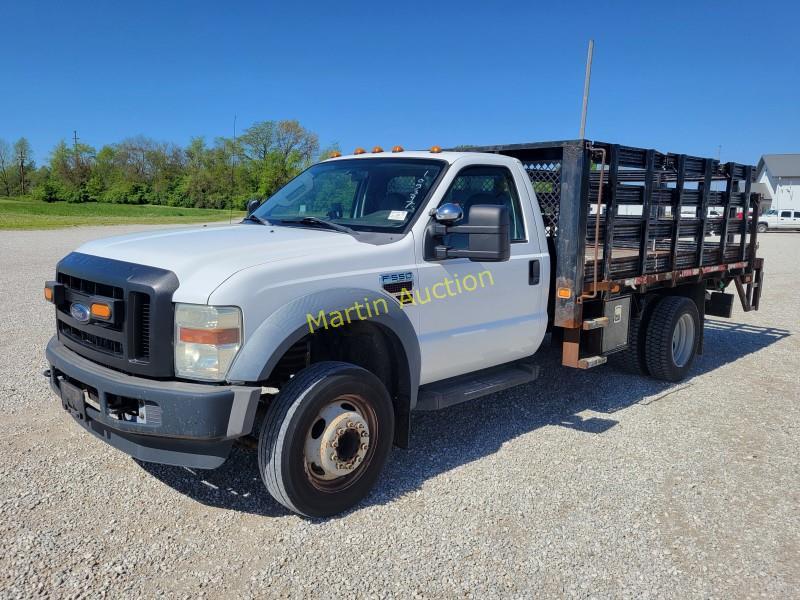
x: 673, y: 336
x: 762, y: 228
x: 325, y: 439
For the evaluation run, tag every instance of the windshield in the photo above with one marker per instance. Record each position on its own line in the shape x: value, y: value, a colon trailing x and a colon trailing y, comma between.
x: 374, y: 194
x: 771, y: 212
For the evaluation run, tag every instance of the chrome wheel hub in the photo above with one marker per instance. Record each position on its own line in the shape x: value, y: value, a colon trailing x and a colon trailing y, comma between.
x: 337, y: 441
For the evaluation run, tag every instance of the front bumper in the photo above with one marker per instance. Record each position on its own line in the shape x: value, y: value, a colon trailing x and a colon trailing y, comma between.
x: 178, y: 423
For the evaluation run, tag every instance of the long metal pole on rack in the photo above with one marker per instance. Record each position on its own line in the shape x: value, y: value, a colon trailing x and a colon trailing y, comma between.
x: 586, y: 88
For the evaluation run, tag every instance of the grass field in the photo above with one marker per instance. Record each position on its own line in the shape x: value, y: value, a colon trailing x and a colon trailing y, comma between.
x: 31, y: 214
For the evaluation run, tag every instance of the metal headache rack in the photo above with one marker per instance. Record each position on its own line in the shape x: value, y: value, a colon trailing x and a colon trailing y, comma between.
x: 622, y: 217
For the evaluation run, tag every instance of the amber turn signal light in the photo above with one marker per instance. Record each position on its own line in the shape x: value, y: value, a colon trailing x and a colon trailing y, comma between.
x: 359, y: 151
x: 48, y: 294
x: 216, y: 337
x: 101, y: 311
x: 564, y: 293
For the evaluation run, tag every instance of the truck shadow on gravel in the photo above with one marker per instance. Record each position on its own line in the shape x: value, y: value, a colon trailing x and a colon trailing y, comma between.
x: 444, y: 440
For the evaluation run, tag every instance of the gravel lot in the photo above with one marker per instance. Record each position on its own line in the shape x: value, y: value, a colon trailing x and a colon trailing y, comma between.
x: 583, y: 484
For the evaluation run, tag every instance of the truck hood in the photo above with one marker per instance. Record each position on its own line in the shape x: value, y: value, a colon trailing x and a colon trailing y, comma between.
x: 202, y: 258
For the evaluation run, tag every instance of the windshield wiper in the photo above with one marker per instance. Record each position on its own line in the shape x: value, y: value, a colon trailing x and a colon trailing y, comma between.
x: 256, y: 219
x: 317, y: 222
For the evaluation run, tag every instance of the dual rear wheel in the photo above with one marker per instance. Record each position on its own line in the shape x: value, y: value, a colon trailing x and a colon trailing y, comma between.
x: 664, y: 339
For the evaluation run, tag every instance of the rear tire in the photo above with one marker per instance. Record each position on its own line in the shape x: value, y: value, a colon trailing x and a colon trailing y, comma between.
x: 632, y: 358
x: 325, y: 438
x: 673, y: 336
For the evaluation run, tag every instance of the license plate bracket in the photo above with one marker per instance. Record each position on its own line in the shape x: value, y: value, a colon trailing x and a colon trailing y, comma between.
x: 73, y: 399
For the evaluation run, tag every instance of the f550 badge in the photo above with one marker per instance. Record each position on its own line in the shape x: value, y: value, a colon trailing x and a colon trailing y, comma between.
x: 405, y: 277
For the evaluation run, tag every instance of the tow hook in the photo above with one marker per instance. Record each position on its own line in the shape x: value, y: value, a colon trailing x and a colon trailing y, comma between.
x: 46, y: 373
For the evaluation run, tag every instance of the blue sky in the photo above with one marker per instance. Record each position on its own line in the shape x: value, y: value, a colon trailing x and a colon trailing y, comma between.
x: 677, y: 76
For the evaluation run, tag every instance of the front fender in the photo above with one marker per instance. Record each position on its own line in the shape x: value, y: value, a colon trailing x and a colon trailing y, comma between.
x: 289, y: 324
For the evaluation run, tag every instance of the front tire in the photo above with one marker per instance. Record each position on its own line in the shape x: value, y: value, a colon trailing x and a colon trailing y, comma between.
x: 325, y: 438
x: 673, y: 336
x: 762, y: 228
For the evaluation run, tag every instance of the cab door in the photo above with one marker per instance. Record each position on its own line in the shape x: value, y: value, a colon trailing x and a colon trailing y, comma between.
x: 475, y: 315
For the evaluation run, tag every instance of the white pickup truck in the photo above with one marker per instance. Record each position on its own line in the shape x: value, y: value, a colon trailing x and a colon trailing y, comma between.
x: 380, y: 283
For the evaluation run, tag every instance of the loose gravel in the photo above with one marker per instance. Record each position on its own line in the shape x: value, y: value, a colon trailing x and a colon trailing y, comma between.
x: 582, y: 484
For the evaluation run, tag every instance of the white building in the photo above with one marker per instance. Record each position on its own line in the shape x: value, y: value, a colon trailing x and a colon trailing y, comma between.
x: 778, y: 180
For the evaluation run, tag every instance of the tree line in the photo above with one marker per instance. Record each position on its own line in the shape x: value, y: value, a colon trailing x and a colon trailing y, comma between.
x: 140, y: 170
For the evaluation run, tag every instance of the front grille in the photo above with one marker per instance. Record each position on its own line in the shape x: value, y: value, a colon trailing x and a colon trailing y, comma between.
x: 95, y: 342
x: 90, y: 288
x: 139, y: 340
x: 140, y: 305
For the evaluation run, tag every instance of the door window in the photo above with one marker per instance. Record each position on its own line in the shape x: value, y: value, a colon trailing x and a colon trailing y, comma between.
x: 485, y: 185
x: 786, y: 214
x: 797, y: 214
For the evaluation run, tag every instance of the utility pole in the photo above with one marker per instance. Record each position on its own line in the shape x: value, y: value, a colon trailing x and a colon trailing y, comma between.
x: 233, y: 170
x: 22, y: 171
x: 586, y: 80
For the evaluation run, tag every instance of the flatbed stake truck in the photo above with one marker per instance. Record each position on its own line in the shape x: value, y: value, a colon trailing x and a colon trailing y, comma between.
x: 171, y: 346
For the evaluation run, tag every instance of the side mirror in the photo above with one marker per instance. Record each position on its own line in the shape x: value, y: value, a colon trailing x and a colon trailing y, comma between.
x: 488, y: 233
x: 252, y: 205
x: 448, y: 213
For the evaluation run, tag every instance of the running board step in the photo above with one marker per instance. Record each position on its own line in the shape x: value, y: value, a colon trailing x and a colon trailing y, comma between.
x: 592, y: 361
x: 456, y: 390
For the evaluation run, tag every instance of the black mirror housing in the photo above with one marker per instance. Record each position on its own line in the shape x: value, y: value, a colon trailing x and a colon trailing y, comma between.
x: 489, y: 235
x: 252, y: 205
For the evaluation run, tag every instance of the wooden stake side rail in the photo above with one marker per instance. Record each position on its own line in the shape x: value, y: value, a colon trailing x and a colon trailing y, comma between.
x: 665, y: 218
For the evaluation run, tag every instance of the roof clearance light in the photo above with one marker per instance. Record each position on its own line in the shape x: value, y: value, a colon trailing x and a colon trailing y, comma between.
x: 436, y: 149
x: 397, y: 149
x: 377, y: 149
x: 359, y: 151
x: 334, y: 154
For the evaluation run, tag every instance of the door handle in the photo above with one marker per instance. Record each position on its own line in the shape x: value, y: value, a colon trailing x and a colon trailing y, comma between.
x: 533, y: 272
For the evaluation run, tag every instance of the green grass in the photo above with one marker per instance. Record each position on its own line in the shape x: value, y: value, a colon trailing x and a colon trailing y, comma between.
x: 32, y: 214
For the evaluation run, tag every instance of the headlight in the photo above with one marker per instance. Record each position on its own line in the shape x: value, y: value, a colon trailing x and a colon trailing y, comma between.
x: 207, y: 339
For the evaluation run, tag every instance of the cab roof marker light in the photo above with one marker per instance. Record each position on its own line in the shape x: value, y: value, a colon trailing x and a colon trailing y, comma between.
x: 436, y: 149
x: 397, y: 149
x: 359, y: 150
x: 334, y: 154
x: 377, y: 150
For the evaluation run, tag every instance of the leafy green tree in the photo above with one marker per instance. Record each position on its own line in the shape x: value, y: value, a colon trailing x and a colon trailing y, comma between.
x: 141, y: 170
x: 23, y: 159
x: 6, y: 167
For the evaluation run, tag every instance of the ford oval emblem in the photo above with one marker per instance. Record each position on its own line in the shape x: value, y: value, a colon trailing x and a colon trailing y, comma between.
x: 79, y: 312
